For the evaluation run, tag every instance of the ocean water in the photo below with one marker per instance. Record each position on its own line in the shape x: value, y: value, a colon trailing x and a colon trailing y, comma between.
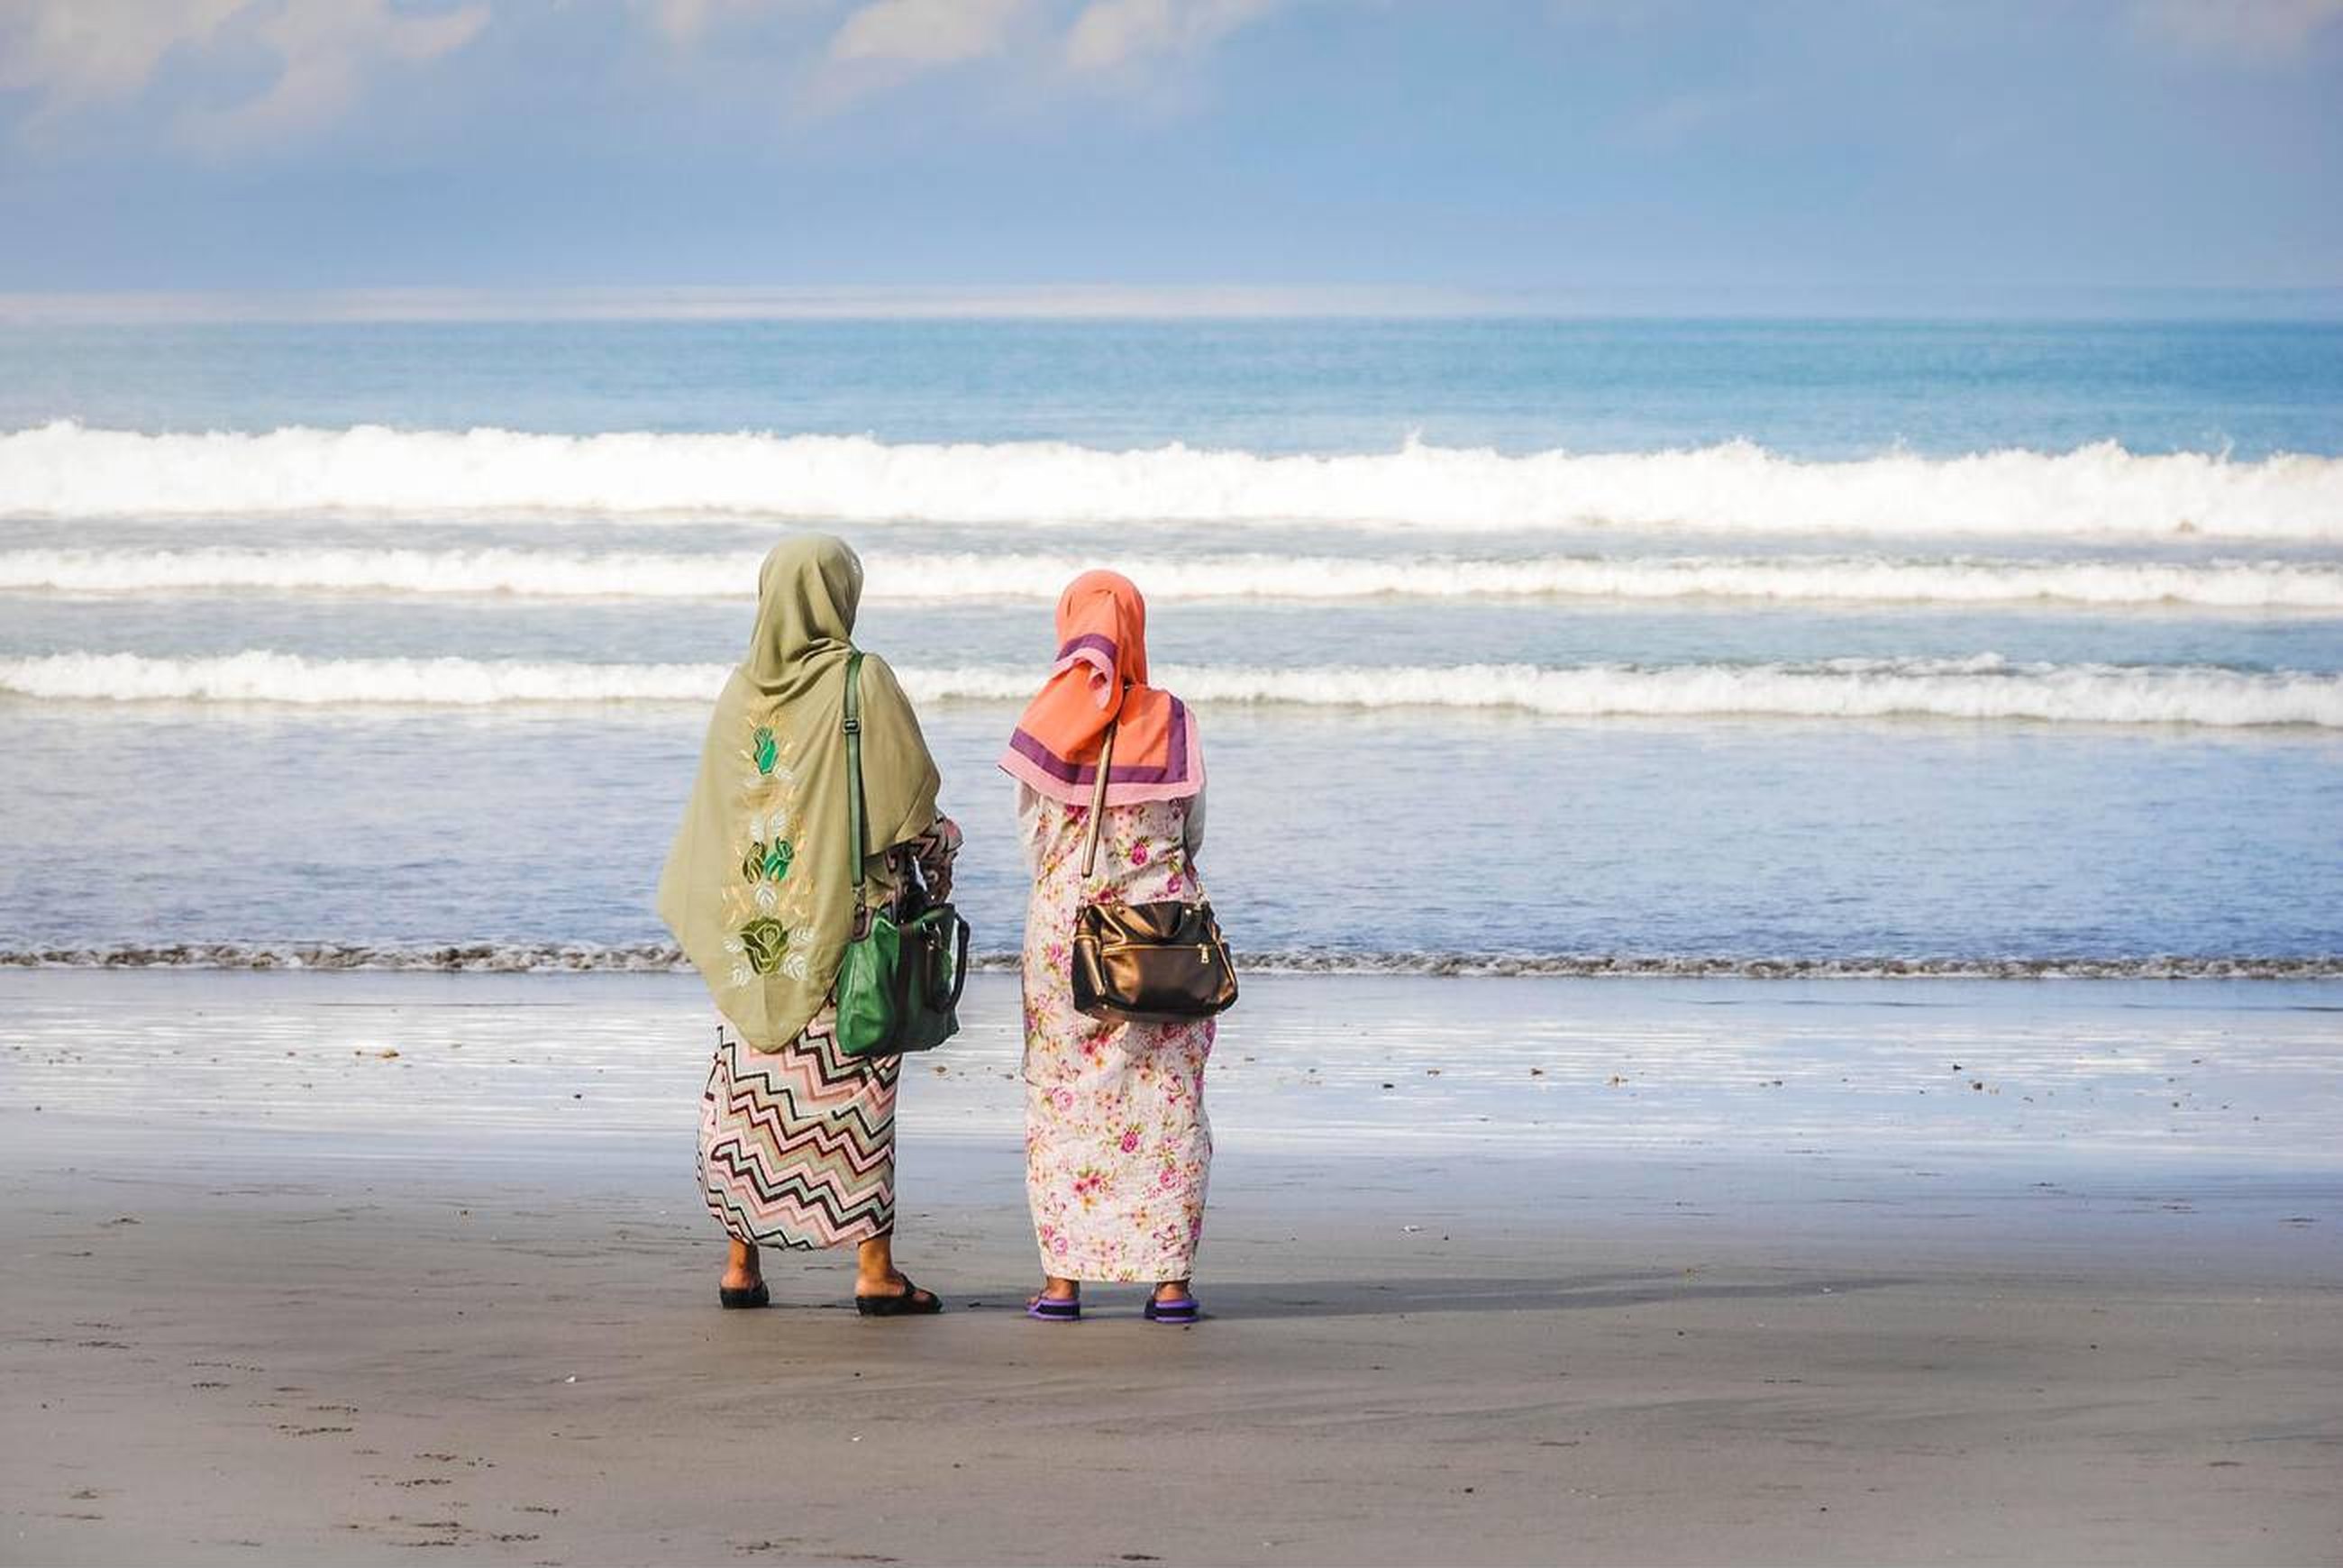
x: 1737, y: 647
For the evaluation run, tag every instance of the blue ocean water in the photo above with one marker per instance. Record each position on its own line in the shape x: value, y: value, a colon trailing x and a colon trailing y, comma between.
x: 1804, y: 389
x: 1525, y: 643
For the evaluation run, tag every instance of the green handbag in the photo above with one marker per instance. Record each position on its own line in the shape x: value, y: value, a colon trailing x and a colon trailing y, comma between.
x: 898, y: 984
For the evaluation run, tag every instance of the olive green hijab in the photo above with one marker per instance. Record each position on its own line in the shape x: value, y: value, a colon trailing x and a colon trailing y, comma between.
x: 759, y: 888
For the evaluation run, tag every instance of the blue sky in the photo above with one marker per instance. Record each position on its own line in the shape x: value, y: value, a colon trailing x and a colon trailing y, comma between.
x: 1476, y: 147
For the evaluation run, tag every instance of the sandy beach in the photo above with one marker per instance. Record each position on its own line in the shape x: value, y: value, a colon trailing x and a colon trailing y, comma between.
x: 439, y: 1308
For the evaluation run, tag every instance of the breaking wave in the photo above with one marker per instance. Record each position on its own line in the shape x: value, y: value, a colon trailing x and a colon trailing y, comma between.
x: 946, y: 576
x: 64, y: 469
x: 1984, y: 687
x: 556, y: 958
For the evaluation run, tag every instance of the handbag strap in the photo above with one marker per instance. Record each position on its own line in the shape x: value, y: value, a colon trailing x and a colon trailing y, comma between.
x: 1098, y: 797
x: 852, y: 723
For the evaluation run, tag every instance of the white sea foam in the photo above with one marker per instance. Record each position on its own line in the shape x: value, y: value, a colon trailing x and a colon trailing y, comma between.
x: 295, y: 679
x: 969, y: 575
x: 660, y: 958
x: 66, y: 470
x: 1984, y: 687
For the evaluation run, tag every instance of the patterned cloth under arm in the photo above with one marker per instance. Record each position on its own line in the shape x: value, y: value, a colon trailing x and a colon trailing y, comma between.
x: 929, y: 854
x: 932, y: 853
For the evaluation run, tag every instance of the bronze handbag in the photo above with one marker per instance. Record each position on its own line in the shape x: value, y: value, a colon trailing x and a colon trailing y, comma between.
x: 1154, y: 963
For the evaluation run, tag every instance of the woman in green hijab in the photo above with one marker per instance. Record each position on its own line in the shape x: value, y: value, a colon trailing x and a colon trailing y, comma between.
x: 797, y: 1140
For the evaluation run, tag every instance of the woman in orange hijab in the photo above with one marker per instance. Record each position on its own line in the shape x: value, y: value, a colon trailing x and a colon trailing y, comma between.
x: 1117, y: 1147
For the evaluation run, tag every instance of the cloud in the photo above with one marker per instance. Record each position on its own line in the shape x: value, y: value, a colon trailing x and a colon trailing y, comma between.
x: 685, y: 21
x: 1682, y: 118
x: 2252, y: 32
x: 324, y: 48
x: 921, y: 33
x: 73, y: 55
x: 220, y: 76
x: 1115, y: 33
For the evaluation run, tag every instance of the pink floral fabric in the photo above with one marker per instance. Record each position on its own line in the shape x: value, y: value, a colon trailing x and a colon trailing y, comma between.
x: 1117, y: 1147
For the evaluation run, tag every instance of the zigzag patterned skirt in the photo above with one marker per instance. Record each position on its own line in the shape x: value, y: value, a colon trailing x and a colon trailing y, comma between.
x: 797, y: 1146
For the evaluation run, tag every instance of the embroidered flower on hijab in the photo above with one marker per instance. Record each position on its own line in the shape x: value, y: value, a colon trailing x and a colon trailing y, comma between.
x: 768, y: 861
x: 763, y: 940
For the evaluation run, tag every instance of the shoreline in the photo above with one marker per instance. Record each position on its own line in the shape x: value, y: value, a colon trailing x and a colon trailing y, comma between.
x: 663, y: 958
x: 2212, y: 1074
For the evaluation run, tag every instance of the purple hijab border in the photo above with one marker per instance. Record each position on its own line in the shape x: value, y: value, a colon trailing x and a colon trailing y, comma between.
x: 1035, y: 764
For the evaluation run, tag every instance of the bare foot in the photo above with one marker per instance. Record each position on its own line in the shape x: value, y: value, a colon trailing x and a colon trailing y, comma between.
x: 1054, y: 1289
x: 742, y: 1271
x: 890, y: 1283
x: 875, y: 1273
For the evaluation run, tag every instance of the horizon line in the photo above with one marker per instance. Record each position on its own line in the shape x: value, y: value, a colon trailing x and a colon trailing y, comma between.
x: 1105, y: 302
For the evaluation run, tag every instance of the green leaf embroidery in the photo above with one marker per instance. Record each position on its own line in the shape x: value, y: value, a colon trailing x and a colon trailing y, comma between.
x: 768, y: 863
x: 768, y: 751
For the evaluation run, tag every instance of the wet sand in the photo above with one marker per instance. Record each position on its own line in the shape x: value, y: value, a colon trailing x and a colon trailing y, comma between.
x: 350, y: 1335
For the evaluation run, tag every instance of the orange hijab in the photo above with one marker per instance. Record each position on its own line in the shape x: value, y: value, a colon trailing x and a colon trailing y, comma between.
x: 1100, y: 677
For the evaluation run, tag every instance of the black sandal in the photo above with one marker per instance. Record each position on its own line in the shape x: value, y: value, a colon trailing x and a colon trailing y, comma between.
x: 736, y: 1299
x: 914, y: 1302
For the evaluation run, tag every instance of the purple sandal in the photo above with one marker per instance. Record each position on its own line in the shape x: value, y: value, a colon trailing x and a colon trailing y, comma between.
x: 1048, y: 1309
x: 1179, y: 1312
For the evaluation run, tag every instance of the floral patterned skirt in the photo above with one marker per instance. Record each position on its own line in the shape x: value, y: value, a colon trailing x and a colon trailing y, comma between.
x: 1117, y: 1147
x: 1117, y: 1158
